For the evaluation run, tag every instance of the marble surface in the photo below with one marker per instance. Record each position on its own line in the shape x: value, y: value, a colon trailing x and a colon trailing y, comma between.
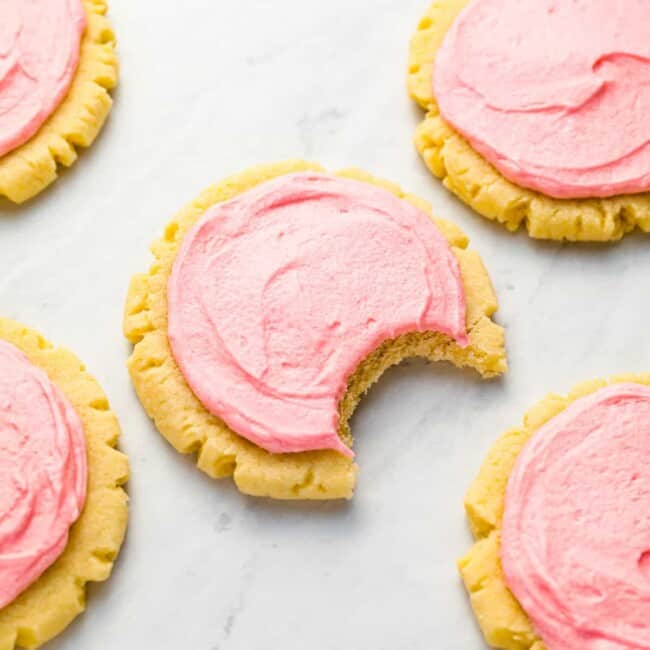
x: 209, y: 87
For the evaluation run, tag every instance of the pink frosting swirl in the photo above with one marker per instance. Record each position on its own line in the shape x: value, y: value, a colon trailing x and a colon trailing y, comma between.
x: 276, y: 296
x: 39, y: 52
x: 555, y: 94
x: 42, y: 472
x: 576, y: 527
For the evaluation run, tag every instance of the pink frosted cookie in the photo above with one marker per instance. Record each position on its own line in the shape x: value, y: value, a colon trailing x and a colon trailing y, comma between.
x: 569, y: 120
x: 43, y: 472
x: 62, y: 509
x: 57, y: 62
x: 276, y: 300
x: 39, y: 45
x: 533, y: 124
x: 560, y: 511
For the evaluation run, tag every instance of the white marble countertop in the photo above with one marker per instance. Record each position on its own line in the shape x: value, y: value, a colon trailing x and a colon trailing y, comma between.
x: 210, y: 87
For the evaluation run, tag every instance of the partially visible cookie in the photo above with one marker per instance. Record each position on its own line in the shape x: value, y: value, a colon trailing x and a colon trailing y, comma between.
x: 559, y: 513
x: 73, y: 77
x: 209, y: 232
x: 465, y: 170
x: 42, y: 609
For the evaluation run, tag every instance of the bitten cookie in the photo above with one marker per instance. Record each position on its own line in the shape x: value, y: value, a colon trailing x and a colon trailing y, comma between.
x: 58, y: 58
x: 553, y: 137
x: 64, y: 510
x: 276, y: 299
x: 559, y: 512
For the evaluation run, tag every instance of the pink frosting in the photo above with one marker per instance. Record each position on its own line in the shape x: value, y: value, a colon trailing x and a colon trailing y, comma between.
x: 576, y: 528
x: 39, y: 52
x: 555, y: 94
x: 42, y: 472
x: 276, y: 296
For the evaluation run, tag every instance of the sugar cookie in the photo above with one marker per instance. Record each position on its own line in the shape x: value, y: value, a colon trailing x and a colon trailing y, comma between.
x: 518, y: 120
x: 57, y: 57
x: 63, y: 475
x: 562, y: 554
x: 250, y: 329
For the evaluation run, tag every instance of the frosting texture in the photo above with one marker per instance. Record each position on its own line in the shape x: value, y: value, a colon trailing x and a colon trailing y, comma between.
x: 276, y: 296
x: 554, y: 94
x: 42, y: 472
x: 39, y: 52
x: 576, y: 528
